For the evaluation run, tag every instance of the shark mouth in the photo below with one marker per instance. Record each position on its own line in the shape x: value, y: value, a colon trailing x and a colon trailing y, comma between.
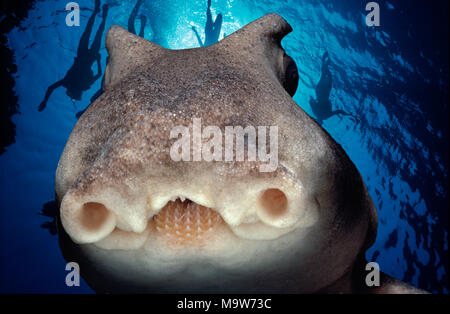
x: 110, y: 221
x: 186, y: 222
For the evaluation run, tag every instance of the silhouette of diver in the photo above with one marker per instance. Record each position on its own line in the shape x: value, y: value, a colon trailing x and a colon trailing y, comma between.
x: 80, y: 77
x: 50, y: 210
x: 322, y: 107
x: 212, y: 29
x: 132, y: 19
x: 131, y: 29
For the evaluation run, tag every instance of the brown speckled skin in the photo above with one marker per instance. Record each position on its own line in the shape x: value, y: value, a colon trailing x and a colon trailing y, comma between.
x: 124, y: 135
x: 235, y: 82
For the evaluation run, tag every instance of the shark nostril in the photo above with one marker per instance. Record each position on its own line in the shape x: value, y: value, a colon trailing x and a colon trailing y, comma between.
x: 274, y: 203
x: 86, y: 222
x: 93, y: 216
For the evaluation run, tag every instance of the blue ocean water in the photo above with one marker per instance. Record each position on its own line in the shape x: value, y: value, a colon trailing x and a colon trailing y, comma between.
x: 394, y: 78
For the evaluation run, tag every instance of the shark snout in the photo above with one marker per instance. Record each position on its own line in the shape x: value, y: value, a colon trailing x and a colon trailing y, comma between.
x: 183, y: 212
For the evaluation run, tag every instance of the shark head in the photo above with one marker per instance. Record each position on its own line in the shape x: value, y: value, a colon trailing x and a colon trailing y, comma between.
x: 289, y: 214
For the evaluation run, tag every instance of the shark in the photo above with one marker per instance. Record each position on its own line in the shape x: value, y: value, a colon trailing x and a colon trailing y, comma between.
x: 138, y: 221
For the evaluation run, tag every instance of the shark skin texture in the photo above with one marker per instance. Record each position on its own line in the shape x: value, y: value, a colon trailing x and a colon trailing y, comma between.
x: 139, y: 222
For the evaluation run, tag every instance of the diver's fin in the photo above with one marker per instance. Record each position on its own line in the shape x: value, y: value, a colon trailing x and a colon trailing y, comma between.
x: 127, y: 52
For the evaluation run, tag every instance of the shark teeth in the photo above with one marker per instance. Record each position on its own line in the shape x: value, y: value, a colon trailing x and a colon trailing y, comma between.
x: 181, y: 198
x: 186, y: 222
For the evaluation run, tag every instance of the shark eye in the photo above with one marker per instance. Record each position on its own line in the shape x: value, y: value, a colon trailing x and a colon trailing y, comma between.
x: 290, y: 81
